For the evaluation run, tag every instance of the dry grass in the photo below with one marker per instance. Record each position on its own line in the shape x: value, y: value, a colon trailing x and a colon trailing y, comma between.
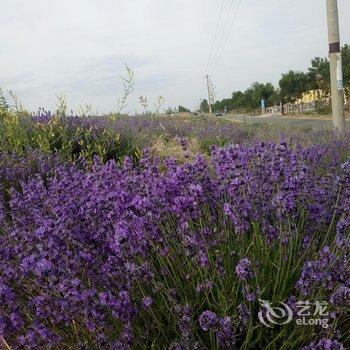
x: 167, y: 146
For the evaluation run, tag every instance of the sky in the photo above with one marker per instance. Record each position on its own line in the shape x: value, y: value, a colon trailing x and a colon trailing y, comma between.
x: 78, y: 48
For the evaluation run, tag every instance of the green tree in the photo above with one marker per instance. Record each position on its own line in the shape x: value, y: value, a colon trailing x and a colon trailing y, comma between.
x: 183, y: 109
x: 293, y: 85
x: 249, y: 100
x: 262, y: 92
x: 346, y: 70
x: 238, y: 100
x: 275, y: 98
x: 319, y: 74
x: 204, y: 106
x: 171, y: 110
x: 225, y: 104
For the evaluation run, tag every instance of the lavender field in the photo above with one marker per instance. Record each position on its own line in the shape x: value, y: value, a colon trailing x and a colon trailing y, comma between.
x: 108, y: 241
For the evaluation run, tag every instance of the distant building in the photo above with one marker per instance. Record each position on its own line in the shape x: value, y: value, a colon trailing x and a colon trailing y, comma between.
x: 313, y: 96
x: 316, y: 95
x: 309, y: 102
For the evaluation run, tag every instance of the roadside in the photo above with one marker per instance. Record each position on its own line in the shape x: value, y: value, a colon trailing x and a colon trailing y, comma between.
x: 307, y: 121
x: 311, y: 116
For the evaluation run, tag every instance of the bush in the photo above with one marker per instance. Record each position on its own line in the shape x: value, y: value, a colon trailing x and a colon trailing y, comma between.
x: 71, y: 138
x: 167, y: 255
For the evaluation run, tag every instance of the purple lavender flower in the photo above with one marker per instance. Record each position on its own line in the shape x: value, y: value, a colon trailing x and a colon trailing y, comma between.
x: 147, y: 302
x: 186, y: 327
x: 2, y: 207
x: 250, y: 297
x: 80, y: 239
x: 204, y: 260
x: 293, y: 304
x: 244, y: 270
x: 204, y: 287
x: 208, y: 320
x: 225, y: 333
x: 125, y: 340
x: 324, y: 344
x: 327, y: 271
x: 244, y: 315
x: 341, y: 297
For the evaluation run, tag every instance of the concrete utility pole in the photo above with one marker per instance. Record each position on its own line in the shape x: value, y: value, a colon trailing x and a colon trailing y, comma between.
x: 209, y: 93
x: 336, y: 69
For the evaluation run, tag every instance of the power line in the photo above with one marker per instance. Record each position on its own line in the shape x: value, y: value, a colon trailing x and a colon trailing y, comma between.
x: 230, y: 30
x: 224, y: 29
x: 216, y: 34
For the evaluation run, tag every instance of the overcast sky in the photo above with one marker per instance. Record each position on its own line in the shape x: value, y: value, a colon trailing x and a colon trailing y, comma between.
x: 78, y: 47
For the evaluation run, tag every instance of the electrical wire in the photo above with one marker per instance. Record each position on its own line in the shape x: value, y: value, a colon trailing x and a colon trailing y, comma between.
x: 221, y: 39
x: 224, y: 43
x: 230, y: 31
x: 216, y: 34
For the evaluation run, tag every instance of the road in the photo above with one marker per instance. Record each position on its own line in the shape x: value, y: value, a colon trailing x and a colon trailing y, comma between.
x: 314, y: 123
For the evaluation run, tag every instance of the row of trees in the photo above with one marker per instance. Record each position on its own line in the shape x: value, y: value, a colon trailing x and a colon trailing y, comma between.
x: 291, y: 87
x: 180, y: 109
x: 249, y: 99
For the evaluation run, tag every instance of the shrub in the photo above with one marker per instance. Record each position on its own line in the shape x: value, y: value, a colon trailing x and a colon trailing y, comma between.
x: 168, y: 255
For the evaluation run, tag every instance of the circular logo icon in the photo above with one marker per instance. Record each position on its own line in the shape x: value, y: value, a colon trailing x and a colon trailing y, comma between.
x: 274, y: 315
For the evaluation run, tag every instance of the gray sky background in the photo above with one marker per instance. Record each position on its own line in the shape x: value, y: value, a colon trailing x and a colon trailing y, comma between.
x: 78, y: 47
